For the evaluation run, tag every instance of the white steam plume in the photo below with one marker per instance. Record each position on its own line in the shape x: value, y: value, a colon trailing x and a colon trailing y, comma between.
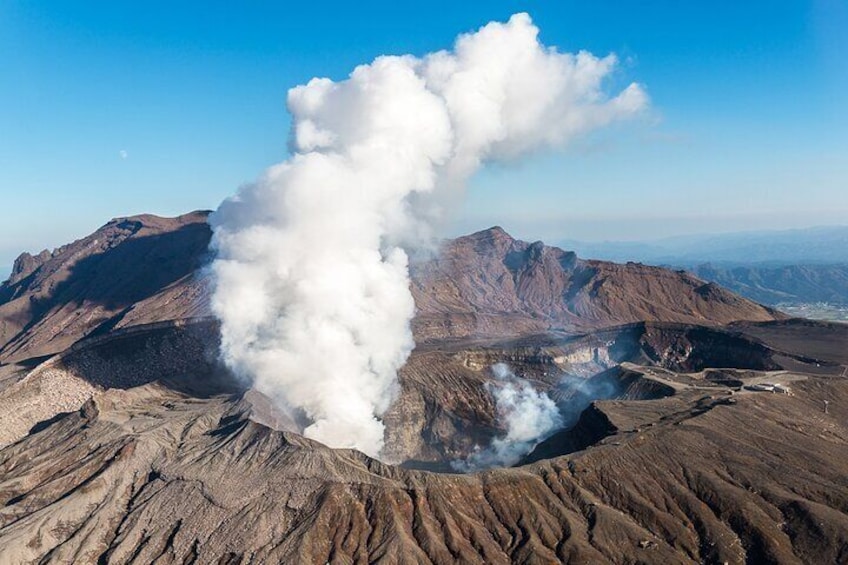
x: 528, y: 415
x: 311, y: 269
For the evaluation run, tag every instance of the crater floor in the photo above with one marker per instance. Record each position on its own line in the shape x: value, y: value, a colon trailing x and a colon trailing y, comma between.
x: 171, y: 462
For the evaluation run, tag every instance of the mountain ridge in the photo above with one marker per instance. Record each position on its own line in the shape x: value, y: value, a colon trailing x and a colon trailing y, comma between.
x: 788, y: 284
x: 123, y: 438
x: 105, y: 280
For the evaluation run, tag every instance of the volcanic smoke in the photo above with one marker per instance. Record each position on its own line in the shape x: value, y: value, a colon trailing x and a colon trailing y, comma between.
x: 528, y: 415
x: 311, y: 277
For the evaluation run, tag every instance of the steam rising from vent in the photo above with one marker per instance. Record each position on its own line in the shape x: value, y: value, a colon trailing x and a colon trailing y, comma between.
x: 312, y: 286
x: 528, y: 415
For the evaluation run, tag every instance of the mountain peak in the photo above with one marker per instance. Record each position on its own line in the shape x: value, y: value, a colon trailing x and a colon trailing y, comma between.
x: 494, y: 232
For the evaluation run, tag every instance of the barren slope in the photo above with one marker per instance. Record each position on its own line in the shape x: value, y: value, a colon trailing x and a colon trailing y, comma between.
x: 183, y: 471
x: 145, y: 269
x: 132, y: 270
x: 132, y: 445
x: 488, y: 284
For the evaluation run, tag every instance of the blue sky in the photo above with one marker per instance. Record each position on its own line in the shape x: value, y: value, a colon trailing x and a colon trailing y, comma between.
x: 748, y: 127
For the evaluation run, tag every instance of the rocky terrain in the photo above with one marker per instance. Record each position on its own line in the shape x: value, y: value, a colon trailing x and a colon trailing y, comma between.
x: 132, y: 270
x: 714, y: 430
x: 173, y: 463
x: 144, y: 269
x: 489, y: 284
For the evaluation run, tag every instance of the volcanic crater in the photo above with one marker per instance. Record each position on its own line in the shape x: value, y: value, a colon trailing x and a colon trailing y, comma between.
x: 123, y: 439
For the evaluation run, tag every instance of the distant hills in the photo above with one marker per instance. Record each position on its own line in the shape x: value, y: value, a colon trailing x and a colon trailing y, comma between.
x: 819, y: 245
x: 771, y: 267
x: 782, y: 284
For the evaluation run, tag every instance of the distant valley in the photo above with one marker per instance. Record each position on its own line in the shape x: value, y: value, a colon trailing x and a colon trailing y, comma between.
x: 825, y: 245
x: 802, y: 272
x: 808, y: 291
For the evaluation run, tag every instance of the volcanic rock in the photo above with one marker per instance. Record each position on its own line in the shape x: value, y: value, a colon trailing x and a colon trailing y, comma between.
x: 143, y: 269
x: 124, y: 440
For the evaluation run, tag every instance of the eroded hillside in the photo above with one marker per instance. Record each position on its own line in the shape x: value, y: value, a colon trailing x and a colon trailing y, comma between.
x: 145, y: 269
x: 191, y: 467
x: 124, y: 440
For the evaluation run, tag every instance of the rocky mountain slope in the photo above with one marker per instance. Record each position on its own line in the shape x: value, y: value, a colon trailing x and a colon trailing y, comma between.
x: 144, y: 269
x: 489, y: 284
x: 132, y: 270
x: 123, y: 439
x: 170, y: 461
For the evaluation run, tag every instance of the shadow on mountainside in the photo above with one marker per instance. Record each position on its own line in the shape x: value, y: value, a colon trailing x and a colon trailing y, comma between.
x: 181, y: 357
x: 131, y: 269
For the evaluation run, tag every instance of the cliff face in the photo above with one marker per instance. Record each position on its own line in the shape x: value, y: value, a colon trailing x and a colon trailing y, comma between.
x: 144, y: 269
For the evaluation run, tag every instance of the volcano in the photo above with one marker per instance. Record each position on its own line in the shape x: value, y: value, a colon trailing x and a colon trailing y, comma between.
x: 123, y: 439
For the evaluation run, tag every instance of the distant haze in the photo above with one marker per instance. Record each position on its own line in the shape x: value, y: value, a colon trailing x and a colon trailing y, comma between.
x: 825, y: 244
x: 815, y: 245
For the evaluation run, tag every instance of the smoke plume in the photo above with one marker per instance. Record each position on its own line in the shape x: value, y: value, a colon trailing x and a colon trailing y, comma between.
x: 528, y: 415
x: 311, y: 271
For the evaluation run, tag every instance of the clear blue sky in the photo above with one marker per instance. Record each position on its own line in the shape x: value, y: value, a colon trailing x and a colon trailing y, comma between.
x: 748, y: 129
